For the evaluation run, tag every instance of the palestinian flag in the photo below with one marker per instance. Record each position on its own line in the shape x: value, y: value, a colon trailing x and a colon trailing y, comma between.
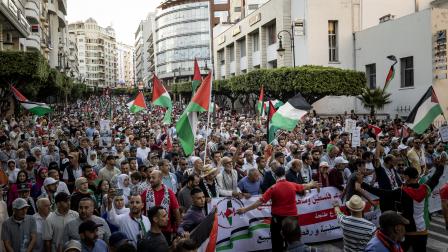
x: 160, y: 97
x: 390, y: 76
x: 206, y: 233
x: 35, y: 108
x: 377, y: 130
x: 196, y: 77
x: 186, y: 126
x: 271, y: 129
x: 138, y: 104
x: 168, y: 141
x: 277, y: 104
x: 424, y: 112
x: 290, y: 113
x: 260, y: 102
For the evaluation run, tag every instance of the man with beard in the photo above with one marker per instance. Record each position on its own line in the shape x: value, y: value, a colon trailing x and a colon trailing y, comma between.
x: 160, y: 195
x: 19, y: 230
x: 50, y: 186
x: 155, y: 240
x: 88, y: 232
x: 134, y: 225
x: 85, y: 210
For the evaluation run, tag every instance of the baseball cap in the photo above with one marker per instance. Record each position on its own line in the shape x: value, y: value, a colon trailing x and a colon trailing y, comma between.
x: 23, y: 187
x: 62, y: 196
x: 117, y: 239
x: 88, y: 225
x: 50, y: 181
x: 19, y: 203
x: 370, y: 140
x: 72, y: 244
x: 391, y: 219
x: 402, y: 147
x: 340, y: 160
x: 318, y: 143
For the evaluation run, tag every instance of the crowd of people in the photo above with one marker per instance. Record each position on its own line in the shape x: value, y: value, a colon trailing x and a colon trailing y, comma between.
x: 67, y: 186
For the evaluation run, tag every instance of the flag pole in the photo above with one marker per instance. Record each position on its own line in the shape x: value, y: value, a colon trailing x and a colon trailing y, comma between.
x: 211, y: 78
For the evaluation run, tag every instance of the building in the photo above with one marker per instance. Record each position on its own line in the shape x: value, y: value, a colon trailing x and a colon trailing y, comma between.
x: 125, y: 65
x: 322, y: 31
x: 97, y: 53
x: 144, y: 59
x: 36, y: 14
x: 13, y: 24
x: 182, y: 33
x: 57, y: 34
x: 419, y: 57
x: 239, y: 9
x: 73, y: 57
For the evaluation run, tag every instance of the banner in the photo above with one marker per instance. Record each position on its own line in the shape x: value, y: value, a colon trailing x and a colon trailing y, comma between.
x: 434, y: 204
x: 250, y: 232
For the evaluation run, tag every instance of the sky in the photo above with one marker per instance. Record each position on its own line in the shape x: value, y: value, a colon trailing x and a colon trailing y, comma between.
x: 124, y: 16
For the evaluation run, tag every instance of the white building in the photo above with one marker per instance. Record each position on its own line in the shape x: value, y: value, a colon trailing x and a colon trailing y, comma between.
x: 13, y: 24
x: 144, y: 50
x: 324, y: 34
x: 125, y: 65
x: 97, y: 53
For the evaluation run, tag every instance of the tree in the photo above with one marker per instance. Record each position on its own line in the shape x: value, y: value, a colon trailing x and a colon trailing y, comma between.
x: 374, y: 99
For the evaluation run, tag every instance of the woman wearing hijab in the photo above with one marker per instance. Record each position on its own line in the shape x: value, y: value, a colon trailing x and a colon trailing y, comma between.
x: 93, y: 161
x: 123, y: 184
x: 13, y: 193
x: 36, y: 189
x: 119, y: 207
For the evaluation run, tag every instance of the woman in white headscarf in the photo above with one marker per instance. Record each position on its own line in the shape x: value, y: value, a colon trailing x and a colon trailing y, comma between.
x: 92, y: 160
x: 119, y: 208
x: 123, y: 184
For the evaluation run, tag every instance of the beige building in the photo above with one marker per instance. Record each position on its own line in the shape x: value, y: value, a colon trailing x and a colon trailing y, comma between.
x: 125, y: 65
x: 97, y: 53
x: 13, y: 24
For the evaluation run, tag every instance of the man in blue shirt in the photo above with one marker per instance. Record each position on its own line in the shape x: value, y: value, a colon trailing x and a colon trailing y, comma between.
x: 392, y: 231
x: 89, y: 238
x: 250, y: 185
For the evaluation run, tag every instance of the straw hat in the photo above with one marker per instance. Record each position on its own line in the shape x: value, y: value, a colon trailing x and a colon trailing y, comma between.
x: 355, y: 204
x: 207, y: 171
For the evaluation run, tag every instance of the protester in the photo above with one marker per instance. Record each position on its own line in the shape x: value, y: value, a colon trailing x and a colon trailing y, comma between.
x: 88, y: 232
x: 26, y: 241
x: 155, y: 240
x: 292, y: 234
x: 43, y: 210
x: 195, y: 214
x: 282, y: 196
x: 356, y: 231
x: 53, y: 227
x: 118, y: 239
x: 444, y: 199
x: 184, y: 196
x: 391, y: 232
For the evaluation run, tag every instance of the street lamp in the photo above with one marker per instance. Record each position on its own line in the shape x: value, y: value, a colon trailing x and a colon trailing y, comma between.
x: 281, y: 50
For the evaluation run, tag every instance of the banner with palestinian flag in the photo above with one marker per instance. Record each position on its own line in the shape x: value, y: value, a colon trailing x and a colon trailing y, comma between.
x: 197, y: 78
x: 290, y: 113
x: 425, y: 112
x: 160, y: 97
x: 186, y: 126
x: 138, y: 104
x: 391, y: 74
x: 35, y: 108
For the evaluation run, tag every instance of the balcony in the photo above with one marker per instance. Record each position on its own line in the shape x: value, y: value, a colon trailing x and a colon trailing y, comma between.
x: 32, y: 43
x: 32, y: 11
x: 61, y: 18
x: 14, y: 18
x: 62, y: 4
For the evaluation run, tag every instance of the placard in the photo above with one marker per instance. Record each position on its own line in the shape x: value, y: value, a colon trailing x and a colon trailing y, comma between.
x: 356, y: 137
x: 443, y: 131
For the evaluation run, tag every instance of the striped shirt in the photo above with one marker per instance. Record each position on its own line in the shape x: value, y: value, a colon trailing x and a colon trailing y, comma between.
x: 356, y: 232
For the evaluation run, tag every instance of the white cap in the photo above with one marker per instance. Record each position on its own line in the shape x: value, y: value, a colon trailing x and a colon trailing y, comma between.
x: 402, y: 147
x: 50, y: 181
x: 340, y: 160
x: 318, y: 143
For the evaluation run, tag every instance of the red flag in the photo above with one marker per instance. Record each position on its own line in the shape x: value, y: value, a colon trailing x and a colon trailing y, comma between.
x: 377, y: 130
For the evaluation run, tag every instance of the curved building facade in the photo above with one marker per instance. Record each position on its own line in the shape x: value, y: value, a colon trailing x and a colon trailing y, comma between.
x: 182, y: 34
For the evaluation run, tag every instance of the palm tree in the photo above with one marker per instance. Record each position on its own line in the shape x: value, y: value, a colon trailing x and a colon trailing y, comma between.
x: 374, y: 99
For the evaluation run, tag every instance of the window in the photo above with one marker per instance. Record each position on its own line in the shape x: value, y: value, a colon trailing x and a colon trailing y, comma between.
x: 221, y: 57
x: 255, y: 42
x: 407, y: 72
x: 242, y: 47
x: 333, y: 41
x: 237, y: 9
x: 371, y: 75
x: 231, y: 52
x: 272, y: 36
x: 253, y: 6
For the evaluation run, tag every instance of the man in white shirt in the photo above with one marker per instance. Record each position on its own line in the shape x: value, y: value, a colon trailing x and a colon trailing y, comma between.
x: 143, y: 151
x: 134, y: 225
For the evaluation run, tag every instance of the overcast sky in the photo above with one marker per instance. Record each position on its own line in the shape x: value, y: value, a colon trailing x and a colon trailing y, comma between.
x: 124, y: 16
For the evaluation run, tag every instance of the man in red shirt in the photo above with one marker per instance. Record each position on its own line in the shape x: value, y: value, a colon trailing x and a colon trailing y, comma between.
x: 444, y: 199
x: 283, y: 204
x: 160, y: 195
